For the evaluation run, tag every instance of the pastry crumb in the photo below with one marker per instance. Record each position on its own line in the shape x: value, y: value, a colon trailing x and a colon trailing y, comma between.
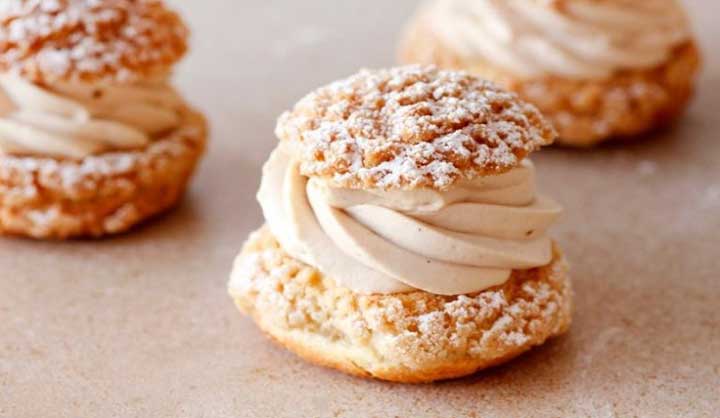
x: 411, y: 127
x: 89, y: 40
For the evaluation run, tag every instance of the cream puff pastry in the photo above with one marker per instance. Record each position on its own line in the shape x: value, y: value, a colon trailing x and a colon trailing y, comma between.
x: 405, y: 239
x: 599, y: 70
x: 93, y: 137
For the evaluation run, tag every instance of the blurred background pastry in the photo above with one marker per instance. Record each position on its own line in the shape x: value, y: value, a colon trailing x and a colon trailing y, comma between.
x: 93, y: 136
x: 599, y: 70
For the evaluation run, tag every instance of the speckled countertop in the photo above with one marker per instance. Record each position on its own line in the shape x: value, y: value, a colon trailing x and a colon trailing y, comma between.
x: 140, y: 325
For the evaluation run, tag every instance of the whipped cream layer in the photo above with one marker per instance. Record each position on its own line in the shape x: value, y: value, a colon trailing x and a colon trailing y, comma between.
x: 459, y: 241
x: 575, y: 38
x: 75, y: 120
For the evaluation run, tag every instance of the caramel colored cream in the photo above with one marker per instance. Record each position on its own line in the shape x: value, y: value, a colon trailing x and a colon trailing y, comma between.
x: 462, y: 240
x: 75, y: 120
x: 576, y: 39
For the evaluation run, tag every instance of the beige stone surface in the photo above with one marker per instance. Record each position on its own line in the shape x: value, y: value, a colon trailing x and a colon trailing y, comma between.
x: 141, y: 326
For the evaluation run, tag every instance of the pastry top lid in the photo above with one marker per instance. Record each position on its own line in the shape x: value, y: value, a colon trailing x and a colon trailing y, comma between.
x: 410, y: 127
x: 90, y: 40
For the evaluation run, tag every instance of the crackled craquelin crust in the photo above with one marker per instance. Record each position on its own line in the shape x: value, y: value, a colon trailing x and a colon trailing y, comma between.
x: 99, y: 195
x: 411, y: 127
x: 412, y: 337
x: 584, y: 112
x: 89, y: 40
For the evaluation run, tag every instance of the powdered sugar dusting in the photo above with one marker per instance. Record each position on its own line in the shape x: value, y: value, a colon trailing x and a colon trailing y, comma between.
x: 53, y: 198
x: 411, y: 127
x: 416, y: 330
x: 120, y: 40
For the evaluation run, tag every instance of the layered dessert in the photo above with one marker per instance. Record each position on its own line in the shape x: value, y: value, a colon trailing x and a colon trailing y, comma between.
x: 405, y: 238
x: 93, y: 137
x: 599, y: 70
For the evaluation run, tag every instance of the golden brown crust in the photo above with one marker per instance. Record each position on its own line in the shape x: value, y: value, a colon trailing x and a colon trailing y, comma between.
x: 411, y: 127
x: 99, y: 195
x: 412, y: 337
x: 585, y: 112
x: 90, y: 40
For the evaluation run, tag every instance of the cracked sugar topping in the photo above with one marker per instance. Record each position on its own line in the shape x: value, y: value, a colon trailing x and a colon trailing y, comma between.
x: 411, y: 127
x: 89, y: 40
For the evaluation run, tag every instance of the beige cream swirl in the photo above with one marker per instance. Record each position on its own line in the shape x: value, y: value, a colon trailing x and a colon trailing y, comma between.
x: 577, y: 39
x: 463, y: 240
x: 75, y: 120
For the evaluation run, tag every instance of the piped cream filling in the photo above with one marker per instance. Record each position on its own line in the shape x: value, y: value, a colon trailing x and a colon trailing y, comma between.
x: 463, y: 240
x: 577, y: 39
x: 75, y: 120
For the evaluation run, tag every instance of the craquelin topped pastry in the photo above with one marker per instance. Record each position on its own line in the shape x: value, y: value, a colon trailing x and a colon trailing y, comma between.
x: 598, y: 69
x: 405, y: 239
x: 93, y: 137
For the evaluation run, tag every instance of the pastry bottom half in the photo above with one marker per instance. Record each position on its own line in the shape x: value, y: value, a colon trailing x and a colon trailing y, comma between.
x: 412, y: 337
x: 103, y: 194
x: 584, y: 112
